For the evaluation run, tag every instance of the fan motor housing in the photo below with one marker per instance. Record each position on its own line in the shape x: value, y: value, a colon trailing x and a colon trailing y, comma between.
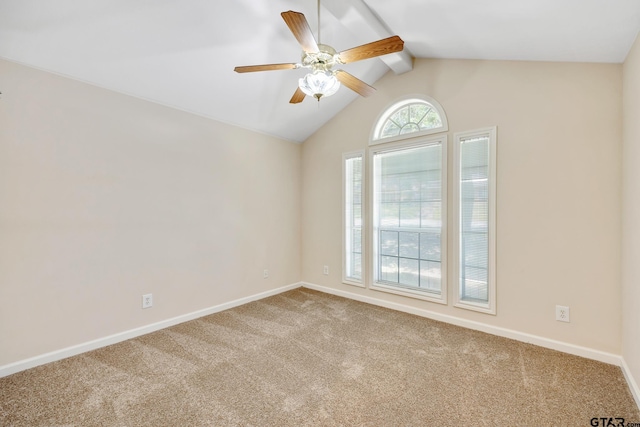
x: 324, y: 59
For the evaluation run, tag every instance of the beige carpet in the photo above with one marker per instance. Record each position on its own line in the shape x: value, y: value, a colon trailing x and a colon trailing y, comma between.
x: 308, y: 358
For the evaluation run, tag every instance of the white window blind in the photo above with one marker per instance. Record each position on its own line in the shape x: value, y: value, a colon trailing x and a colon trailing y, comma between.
x: 353, y: 218
x: 475, y: 200
x: 409, y: 219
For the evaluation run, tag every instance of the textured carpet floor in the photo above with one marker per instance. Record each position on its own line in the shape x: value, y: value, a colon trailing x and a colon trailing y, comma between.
x: 308, y: 358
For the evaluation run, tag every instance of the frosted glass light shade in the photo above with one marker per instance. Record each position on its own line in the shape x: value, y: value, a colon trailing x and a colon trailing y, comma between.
x: 319, y: 84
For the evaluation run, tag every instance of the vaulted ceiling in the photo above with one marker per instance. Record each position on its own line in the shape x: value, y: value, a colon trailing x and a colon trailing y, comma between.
x: 182, y: 53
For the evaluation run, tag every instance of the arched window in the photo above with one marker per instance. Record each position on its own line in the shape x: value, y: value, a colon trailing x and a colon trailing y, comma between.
x: 408, y: 207
x: 409, y: 117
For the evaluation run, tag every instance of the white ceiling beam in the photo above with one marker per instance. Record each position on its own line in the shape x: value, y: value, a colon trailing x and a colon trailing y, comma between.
x: 361, y: 21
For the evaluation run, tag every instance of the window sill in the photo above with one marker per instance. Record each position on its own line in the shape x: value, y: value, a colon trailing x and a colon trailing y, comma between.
x: 353, y: 283
x: 476, y: 307
x: 422, y: 295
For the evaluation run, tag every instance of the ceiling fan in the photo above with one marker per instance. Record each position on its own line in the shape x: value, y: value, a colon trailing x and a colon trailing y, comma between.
x: 323, y: 80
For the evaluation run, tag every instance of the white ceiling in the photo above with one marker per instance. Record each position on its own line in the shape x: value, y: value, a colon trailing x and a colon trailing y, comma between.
x: 182, y: 53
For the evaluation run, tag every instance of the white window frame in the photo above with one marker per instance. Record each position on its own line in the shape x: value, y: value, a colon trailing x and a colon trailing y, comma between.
x: 373, y: 262
x: 345, y: 221
x: 490, y: 306
x: 395, y: 106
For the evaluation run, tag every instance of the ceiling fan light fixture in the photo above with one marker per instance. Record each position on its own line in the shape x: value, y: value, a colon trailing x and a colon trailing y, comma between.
x: 319, y: 84
x: 320, y: 59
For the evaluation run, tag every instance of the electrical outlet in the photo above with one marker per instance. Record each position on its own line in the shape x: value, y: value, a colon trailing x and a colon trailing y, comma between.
x: 325, y: 270
x: 147, y: 301
x: 562, y: 313
x: 265, y: 274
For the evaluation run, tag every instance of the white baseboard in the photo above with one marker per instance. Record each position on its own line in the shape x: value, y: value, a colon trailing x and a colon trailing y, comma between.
x: 53, y: 356
x: 633, y: 385
x: 589, y: 353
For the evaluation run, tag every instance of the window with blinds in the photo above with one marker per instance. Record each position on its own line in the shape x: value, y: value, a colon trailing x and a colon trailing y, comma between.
x: 475, y: 158
x: 409, y: 218
x: 353, y: 218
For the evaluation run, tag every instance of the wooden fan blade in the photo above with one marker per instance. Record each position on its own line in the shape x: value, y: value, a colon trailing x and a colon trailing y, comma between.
x: 354, y: 83
x: 299, y: 26
x: 371, y: 50
x: 297, y: 97
x: 266, y: 67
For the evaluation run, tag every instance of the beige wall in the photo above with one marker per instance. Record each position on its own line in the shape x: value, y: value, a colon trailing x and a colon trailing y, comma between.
x: 559, y: 155
x: 104, y: 197
x: 631, y: 213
